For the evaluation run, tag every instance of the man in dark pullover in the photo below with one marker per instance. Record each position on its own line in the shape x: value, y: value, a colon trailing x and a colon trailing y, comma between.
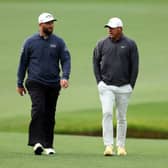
x: 41, y: 57
x: 115, y: 63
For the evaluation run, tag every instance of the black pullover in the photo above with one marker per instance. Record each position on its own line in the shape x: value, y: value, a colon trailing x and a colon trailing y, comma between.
x: 116, y: 62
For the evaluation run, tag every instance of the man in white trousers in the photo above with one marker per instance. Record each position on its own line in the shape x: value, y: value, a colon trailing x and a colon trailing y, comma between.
x: 115, y: 63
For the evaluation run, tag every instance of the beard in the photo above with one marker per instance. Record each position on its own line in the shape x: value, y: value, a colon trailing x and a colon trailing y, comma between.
x: 48, y: 31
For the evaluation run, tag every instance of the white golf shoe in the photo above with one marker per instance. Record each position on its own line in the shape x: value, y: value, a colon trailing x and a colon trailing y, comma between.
x: 49, y: 151
x: 38, y: 149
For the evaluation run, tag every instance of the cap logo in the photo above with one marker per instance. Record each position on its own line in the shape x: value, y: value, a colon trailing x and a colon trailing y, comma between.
x: 123, y: 46
x: 48, y: 16
x: 53, y: 45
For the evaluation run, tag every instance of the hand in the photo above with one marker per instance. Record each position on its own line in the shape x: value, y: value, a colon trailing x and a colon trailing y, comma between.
x: 21, y: 91
x: 64, y: 83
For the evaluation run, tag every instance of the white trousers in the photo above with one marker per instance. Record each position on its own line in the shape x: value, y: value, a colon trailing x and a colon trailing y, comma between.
x: 119, y: 96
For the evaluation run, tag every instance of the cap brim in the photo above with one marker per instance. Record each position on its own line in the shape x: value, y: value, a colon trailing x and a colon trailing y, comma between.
x: 49, y: 21
x: 108, y: 26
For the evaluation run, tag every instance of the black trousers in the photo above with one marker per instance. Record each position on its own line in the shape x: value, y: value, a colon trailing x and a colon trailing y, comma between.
x: 44, y: 100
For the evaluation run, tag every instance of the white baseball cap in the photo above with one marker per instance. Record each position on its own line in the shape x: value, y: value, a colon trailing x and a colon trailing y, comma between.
x: 114, y: 23
x: 45, y: 17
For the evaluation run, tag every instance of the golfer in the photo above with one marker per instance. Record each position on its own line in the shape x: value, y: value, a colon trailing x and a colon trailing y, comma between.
x: 43, y: 56
x: 115, y: 62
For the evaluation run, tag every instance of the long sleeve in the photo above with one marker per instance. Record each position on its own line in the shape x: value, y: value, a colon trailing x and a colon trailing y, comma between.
x: 134, y: 64
x: 65, y: 62
x: 22, y: 65
x: 96, y: 63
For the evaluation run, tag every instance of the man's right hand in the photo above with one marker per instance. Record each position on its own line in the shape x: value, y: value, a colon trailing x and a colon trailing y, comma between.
x: 21, y: 91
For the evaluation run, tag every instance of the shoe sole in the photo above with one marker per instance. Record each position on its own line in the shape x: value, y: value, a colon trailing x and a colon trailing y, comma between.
x: 49, y: 153
x: 38, y: 151
x: 109, y: 154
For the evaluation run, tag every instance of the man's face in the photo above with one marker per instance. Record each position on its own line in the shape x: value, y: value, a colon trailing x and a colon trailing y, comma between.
x: 114, y: 32
x: 48, y: 27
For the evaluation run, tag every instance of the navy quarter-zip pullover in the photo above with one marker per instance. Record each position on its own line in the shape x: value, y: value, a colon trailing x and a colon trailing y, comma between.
x: 41, y: 59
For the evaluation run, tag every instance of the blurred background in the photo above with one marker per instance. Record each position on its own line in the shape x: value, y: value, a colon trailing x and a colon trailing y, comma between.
x: 81, y: 25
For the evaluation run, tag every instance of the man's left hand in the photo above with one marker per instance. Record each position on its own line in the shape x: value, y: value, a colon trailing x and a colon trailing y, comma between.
x: 64, y: 83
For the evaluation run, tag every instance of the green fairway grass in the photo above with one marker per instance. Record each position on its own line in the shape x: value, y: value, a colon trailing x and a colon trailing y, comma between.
x: 76, y: 151
x: 81, y: 24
